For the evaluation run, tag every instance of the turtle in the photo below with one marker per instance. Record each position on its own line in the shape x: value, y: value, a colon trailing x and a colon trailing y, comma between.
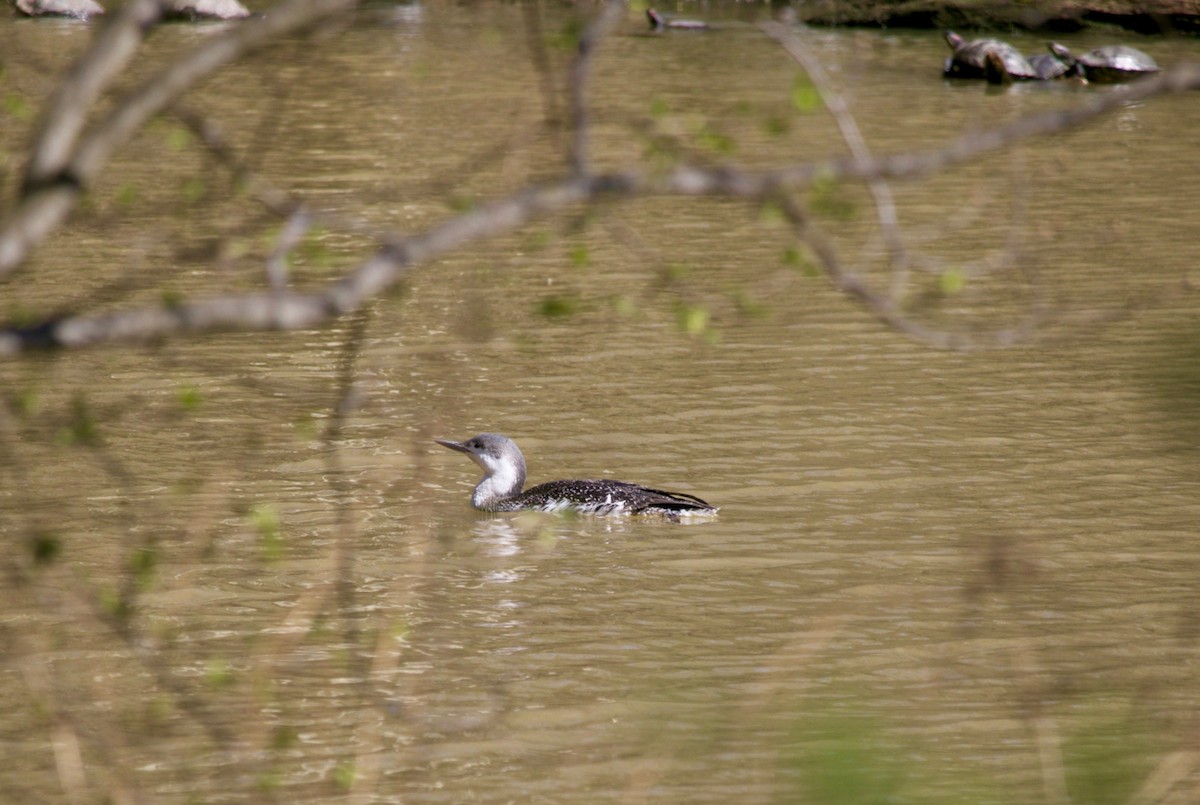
x: 1108, y: 64
x: 1048, y: 66
x: 195, y: 10
x: 78, y: 9
x: 970, y: 60
x: 660, y: 23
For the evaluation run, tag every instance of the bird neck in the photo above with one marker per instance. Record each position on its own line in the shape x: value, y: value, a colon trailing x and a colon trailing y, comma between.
x: 505, y: 482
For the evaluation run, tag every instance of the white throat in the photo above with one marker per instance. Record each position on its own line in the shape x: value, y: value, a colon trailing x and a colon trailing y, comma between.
x: 503, y: 479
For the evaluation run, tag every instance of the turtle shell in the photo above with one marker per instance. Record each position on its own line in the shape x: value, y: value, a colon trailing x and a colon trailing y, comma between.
x: 80, y: 9
x: 970, y: 58
x: 658, y: 22
x: 1049, y: 67
x: 1116, y: 63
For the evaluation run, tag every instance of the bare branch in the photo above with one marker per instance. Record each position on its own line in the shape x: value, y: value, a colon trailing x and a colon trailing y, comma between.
x: 289, y: 310
x: 271, y: 197
x: 596, y: 30
x: 1180, y: 78
x: 919, y: 164
x: 294, y: 311
x: 885, y: 307
x: 835, y: 102
x: 47, y: 206
x: 162, y: 89
x: 67, y: 112
x: 541, y: 63
x: 277, y: 263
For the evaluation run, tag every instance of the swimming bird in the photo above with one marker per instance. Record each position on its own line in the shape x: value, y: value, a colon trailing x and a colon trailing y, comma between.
x: 504, y: 477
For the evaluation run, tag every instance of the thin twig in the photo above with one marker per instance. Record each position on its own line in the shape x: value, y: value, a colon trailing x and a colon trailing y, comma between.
x: 1175, y: 768
x: 293, y: 232
x: 292, y: 310
x: 884, y: 307
x: 597, y: 29
x: 538, y: 55
x: 60, y: 127
x: 835, y: 102
x: 47, y: 204
x: 277, y: 201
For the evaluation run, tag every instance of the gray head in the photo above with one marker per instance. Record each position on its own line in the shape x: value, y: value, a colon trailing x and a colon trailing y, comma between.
x: 1061, y: 52
x: 501, y: 460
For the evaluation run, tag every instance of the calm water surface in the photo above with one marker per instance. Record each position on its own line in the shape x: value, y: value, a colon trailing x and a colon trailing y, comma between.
x: 936, y: 576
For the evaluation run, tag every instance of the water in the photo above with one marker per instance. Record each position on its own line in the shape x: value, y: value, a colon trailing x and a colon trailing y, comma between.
x: 955, y: 576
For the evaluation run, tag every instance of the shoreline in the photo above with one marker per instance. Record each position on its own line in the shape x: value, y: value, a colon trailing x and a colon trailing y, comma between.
x: 1155, y: 18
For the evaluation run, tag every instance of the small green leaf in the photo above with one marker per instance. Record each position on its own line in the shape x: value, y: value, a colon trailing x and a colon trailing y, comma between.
x: 747, y: 305
x: 555, y: 307
x: 624, y: 305
x: 27, y: 403
x: 17, y: 107
x: 951, y: 281
x: 675, y: 272
x: 284, y: 737
x: 769, y: 212
x: 45, y: 547
x: 536, y: 241
x: 178, y: 138
x: 825, y: 197
x: 777, y: 125
x: 306, y: 428
x: 659, y: 108
x: 566, y: 38
x: 126, y: 194
x: 21, y: 316
x: 715, y: 141
x: 580, y: 255
x: 399, y: 631
x: 805, y: 98
x: 143, y: 563
x: 693, y: 319
x: 314, y: 249
x: 268, y: 782
x: 112, y: 603
x: 189, y: 397
x: 217, y: 674
x: 344, y: 774
x: 265, y: 520
x: 83, y: 429
x: 798, y: 259
x: 194, y: 188
x: 158, y: 711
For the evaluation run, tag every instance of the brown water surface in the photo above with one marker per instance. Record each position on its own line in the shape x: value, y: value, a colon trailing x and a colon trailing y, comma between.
x: 936, y: 576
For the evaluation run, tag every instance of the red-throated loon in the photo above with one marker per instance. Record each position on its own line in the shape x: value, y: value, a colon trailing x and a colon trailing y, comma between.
x: 504, y: 476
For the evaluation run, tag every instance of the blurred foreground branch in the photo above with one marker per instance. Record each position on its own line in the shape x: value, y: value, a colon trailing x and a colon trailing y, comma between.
x: 64, y: 160
x: 61, y: 169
